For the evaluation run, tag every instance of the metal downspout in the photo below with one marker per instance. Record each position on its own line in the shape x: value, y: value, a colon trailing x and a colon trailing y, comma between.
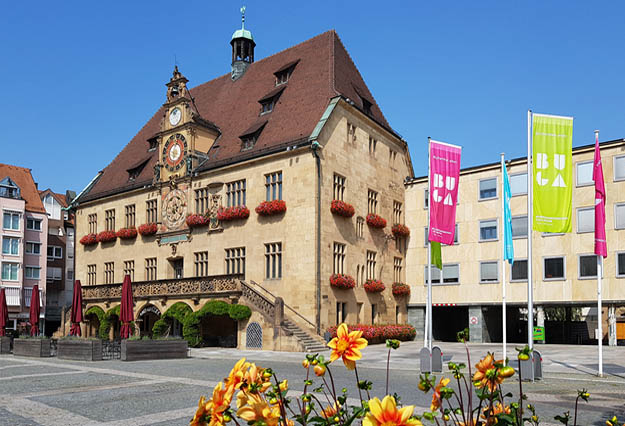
x: 315, y: 146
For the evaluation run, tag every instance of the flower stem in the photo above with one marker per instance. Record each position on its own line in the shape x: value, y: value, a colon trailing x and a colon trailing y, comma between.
x: 388, y: 362
x: 358, y: 385
x: 520, y: 418
x: 575, y: 416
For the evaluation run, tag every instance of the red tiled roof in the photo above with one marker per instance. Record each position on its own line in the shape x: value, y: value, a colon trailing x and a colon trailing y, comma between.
x: 28, y: 190
x: 324, y: 70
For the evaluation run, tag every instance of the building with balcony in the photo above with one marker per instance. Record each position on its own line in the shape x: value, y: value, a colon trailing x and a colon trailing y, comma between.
x: 227, y: 194
x: 468, y: 291
x: 24, y: 243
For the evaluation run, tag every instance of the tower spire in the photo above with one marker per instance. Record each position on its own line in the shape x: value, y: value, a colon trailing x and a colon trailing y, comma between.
x: 243, y: 44
x: 243, y: 17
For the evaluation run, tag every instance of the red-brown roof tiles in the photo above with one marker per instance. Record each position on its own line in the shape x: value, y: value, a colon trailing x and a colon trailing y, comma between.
x: 324, y: 70
x: 28, y: 190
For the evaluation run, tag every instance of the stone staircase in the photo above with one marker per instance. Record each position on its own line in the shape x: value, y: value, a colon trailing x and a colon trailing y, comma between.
x: 310, y: 342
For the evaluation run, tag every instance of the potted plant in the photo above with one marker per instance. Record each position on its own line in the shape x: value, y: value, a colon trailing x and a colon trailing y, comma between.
x: 148, y: 229
x: 342, y: 281
x: 400, y: 230
x: 89, y: 240
x: 233, y: 213
x: 374, y: 286
x: 195, y: 220
x: 269, y: 208
x: 107, y: 236
x: 127, y: 233
x: 375, y: 221
x: 341, y: 208
x: 401, y: 289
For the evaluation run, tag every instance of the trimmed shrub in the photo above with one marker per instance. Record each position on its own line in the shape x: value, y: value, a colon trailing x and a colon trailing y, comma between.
x: 178, y: 311
x: 191, y: 322
x: 239, y: 312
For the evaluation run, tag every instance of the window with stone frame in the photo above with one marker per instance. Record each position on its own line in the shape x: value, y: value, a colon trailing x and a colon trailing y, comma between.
x: 372, y: 202
x: 91, y: 274
x: 235, y: 193
x: 351, y: 133
x: 129, y: 269
x: 373, y: 145
x: 339, y: 187
x: 374, y: 313
x: 341, y: 312
x: 273, y: 186
x: 371, y: 262
x: 151, y: 211
x: 109, y: 272
x: 92, y: 220
x: 392, y: 158
x: 273, y: 260
x: 397, y: 216
x: 109, y: 220
x: 360, y: 227
x: 397, y: 269
x: 150, y: 269
x: 202, y: 202
x: 235, y: 260
x: 339, y: 258
x: 201, y: 263
x: 130, y: 216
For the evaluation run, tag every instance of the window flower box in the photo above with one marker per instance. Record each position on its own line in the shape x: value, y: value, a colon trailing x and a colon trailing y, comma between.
x: 400, y: 230
x: 401, y: 289
x: 107, y: 236
x: 375, y: 221
x: 341, y: 208
x: 233, y: 213
x: 89, y: 240
x: 148, y: 229
x: 270, y: 208
x: 374, y: 286
x: 197, y: 220
x: 127, y: 233
x: 342, y: 281
x: 379, y: 333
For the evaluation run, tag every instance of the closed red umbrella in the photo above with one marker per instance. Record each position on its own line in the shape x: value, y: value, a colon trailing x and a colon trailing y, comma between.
x: 76, y: 314
x: 4, y: 312
x: 34, y: 311
x: 125, y: 314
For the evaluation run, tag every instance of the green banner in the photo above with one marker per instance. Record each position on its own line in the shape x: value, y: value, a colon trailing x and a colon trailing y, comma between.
x: 552, y: 152
x: 437, y: 259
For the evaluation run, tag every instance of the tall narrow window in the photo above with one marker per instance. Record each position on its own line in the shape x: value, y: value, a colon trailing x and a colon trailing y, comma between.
x: 129, y: 269
x: 273, y: 186
x: 371, y: 262
x: 273, y: 260
x: 339, y: 258
x: 92, y: 220
x: 150, y: 269
x: 109, y: 272
x: 11, y: 221
x: 397, y: 212
x: 373, y: 144
x: 372, y: 198
x: 91, y: 277
x: 374, y: 313
x: 11, y: 246
x: 151, y: 211
x: 339, y: 187
x: 235, y: 193
x: 397, y: 268
x: 130, y: 216
x: 201, y: 263
x: 360, y: 227
x: 109, y: 216
x: 351, y: 133
x: 235, y: 260
x: 341, y: 312
x: 201, y: 200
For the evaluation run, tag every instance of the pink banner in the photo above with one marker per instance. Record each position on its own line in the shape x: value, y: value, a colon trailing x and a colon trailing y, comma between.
x: 601, y: 247
x: 444, y: 175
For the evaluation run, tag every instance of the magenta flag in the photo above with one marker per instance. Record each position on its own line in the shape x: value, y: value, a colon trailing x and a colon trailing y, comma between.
x: 444, y: 175
x: 601, y: 246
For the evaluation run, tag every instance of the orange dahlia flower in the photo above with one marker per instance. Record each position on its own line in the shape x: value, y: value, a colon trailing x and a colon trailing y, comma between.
x: 437, y: 401
x: 347, y: 345
x: 235, y: 378
x: 257, y: 409
x: 385, y: 413
x: 486, y: 374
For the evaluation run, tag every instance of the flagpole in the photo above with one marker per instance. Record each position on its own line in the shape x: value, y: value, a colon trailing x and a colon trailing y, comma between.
x: 599, y: 288
x: 530, y: 234
x: 428, y: 320
x: 503, y: 255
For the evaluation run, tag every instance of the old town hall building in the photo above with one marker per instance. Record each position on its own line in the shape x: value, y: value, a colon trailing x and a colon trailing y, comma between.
x: 227, y: 194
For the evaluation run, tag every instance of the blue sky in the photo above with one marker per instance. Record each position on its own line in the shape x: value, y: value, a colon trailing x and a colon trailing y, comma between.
x: 81, y: 78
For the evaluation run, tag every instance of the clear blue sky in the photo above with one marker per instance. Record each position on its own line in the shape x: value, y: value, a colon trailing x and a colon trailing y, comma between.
x: 81, y: 78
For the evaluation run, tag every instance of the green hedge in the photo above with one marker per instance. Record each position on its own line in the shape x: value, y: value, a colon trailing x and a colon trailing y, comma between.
x: 178, y: 311
x: 105, y: 319
x: 191, y: 322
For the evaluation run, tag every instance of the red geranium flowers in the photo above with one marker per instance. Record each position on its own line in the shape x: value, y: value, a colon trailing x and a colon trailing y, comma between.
x: 375, y: 221
x: 341, y: 208
x: 233, y: 213
x: 269, y: 208
x: 342, y: 281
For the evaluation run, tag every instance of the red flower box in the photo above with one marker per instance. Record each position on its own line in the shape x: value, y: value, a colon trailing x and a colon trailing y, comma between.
x: 401, y: 289
x: 375, y: 221
x: 127, y: 233
x: 106, y: 236
x: 379, y: 333
x: 233, y: 213
x: 196, y: 220
x: 342, y: 281
x: 89, y: 240
x: 341, y: 208
x: 148, y: 229
x: 269, y: 208
x: 400, y: 230
x: 374, y: 286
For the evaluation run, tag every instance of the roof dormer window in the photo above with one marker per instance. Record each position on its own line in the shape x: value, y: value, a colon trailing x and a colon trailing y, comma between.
x: 250, y: 136
x: 366, y: 106
x: 8, y: 189
x: 135, y: 170
x: 284, y: 72
x: 268, y: 102
x: 153, y: 142
x: 267, y: 106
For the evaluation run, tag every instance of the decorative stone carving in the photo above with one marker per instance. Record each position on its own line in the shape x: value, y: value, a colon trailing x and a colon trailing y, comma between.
x: 174, y: 209
x: 215, y: 203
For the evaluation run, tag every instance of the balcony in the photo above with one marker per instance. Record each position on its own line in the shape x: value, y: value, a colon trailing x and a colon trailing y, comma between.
x: 13, y: 295
x: 191, y: 288
x: 28, y: 292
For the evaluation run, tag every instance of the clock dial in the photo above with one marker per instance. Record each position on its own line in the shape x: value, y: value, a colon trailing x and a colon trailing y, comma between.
x: 175, y: 209
x: 174, y: 152
x: 174, y: 116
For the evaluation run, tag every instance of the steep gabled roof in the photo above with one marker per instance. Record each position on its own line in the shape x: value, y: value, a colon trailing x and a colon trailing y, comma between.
x: 322, y: 70
x: 28, y: 190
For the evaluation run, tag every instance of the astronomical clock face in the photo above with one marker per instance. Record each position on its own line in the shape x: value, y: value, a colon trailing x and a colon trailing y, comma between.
x: 174, y: 116
x: 174, y: 152
x: 174, y: 209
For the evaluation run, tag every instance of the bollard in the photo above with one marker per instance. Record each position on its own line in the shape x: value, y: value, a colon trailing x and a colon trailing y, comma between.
x: 538, y: 365
x: 424, y: 359
x: 437, y: 359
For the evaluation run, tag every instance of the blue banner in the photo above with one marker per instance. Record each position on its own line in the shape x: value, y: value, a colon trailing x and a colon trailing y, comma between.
x: 507, y: 219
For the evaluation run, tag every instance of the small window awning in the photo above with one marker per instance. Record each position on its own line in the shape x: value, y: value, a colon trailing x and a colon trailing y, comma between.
x: 287, y: 66
x: 139, y: 164
x: 272, y: 94
x: 256, y: 127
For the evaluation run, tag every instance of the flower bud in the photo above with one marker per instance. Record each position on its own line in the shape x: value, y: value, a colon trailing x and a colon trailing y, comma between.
x: 320, y: 370
x: 305, y: 363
